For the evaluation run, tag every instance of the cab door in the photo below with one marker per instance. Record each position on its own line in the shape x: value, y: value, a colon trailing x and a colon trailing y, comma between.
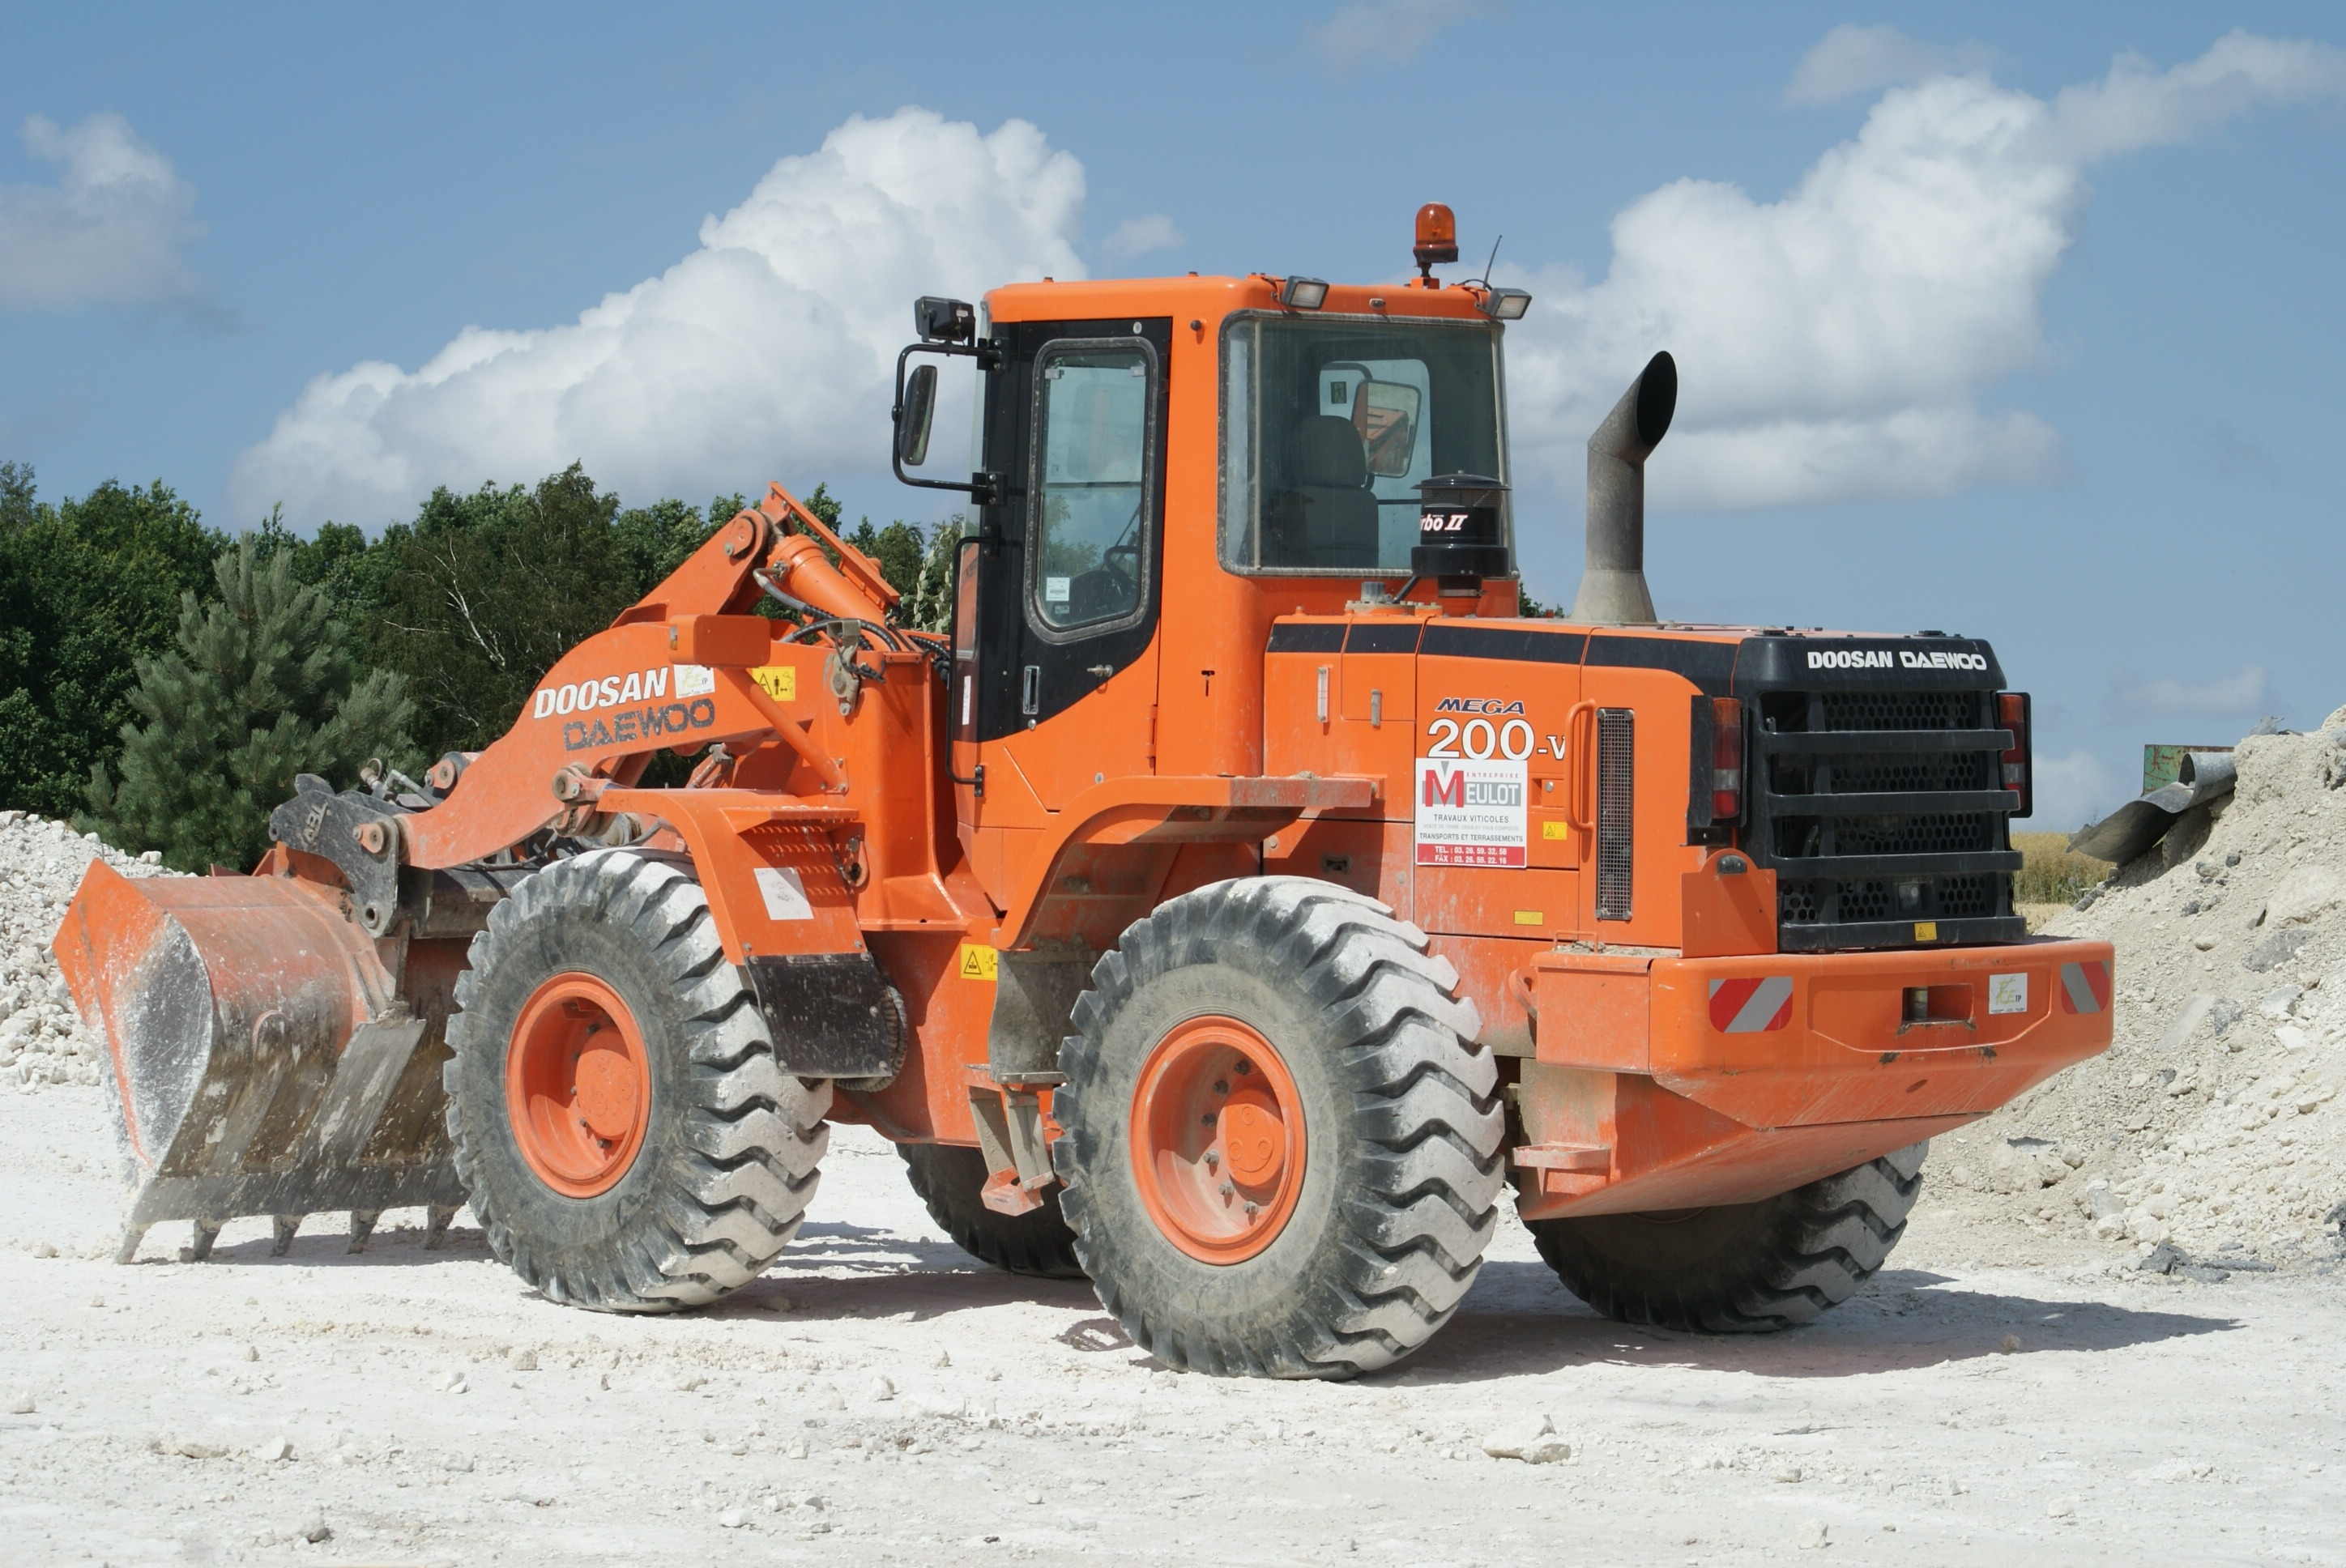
x: 1055, y: 660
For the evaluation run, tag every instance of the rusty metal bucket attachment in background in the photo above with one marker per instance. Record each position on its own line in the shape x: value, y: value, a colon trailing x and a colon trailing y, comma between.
x: 262, y: 1060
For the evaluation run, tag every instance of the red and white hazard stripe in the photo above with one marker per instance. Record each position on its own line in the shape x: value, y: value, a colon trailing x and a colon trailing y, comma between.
x: 1751, y: 1006
x: 2086, y: 987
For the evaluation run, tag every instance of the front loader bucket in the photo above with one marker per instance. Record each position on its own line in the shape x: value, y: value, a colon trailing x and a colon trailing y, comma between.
x: 262, y: 1061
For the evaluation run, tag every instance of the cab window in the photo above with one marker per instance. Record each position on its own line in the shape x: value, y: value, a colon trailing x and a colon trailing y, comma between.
x: 1329, y: 425
x: 1094, y: 429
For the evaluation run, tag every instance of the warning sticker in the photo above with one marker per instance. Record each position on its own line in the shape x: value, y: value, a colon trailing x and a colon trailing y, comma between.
x: 780, y: 680
x: 785, y: 895
x: 1471, y: 812
x: 979, y: 962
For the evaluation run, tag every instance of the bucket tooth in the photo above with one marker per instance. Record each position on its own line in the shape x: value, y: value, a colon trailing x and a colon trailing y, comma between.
x: 132, y: 1235
x: 283, y: 1226
x: 199, y: 1249
x: 435, y: 1225
x: 361, y: 1227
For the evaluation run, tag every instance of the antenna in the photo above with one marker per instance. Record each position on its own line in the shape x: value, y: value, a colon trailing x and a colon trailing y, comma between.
x: 1486, y: 278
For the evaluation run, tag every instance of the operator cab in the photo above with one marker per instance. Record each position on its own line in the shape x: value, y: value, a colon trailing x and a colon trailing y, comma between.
x: 1161, y: 466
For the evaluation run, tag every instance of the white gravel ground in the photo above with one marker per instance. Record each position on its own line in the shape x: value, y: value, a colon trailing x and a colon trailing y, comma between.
x: 879, y: 1398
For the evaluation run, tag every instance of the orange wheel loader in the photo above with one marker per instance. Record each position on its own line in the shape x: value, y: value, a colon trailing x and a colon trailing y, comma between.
x: 1232, y: 906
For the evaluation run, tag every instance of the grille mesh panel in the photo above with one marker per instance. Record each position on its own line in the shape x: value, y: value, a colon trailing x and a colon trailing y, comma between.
x: 1617, y: 740
x: 1910, y: 890
x: 1899, y: 709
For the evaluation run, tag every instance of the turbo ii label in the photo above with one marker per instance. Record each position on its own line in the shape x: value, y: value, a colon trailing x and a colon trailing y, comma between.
x: 1472, y: 811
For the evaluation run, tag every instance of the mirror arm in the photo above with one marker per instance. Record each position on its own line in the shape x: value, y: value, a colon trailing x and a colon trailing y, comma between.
x: 983, y: 488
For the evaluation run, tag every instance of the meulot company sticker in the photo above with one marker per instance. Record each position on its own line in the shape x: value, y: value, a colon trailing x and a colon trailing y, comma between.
x: 2007, y: 993
x: 1472, y: 811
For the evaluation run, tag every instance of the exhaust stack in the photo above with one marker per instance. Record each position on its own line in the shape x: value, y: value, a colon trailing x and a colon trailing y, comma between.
x: 1613, y: 582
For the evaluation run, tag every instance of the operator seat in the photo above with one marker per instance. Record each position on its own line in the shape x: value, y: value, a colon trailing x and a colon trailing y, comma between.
x: 1329, y: 517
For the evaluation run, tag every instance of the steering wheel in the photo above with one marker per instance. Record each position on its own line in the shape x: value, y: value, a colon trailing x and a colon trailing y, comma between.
x: 1128, y: 546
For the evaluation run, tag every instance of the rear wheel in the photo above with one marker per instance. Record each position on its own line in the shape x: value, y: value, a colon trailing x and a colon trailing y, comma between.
x: 622, y: 1130
x: 1282, y: 1150
x: 949, y: 1177
x: 1740, y: 1267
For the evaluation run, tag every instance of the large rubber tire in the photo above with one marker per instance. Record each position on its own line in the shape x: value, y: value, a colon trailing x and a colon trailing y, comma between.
x: 1402, y: 1169
x: 726, y: 1163
x: 1740, y: 1268
x: 948, y: 1177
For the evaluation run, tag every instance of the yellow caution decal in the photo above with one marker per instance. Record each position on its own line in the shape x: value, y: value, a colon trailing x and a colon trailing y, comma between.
x: 979, y: 962
x: 780, y: 681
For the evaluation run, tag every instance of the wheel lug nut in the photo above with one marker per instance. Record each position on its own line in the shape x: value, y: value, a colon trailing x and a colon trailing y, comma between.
x: 1213, y: 1158
x: 1222, y: 1087
x: 1252, y: 1209
x: 1228, y: 1189
x: 1207, y: 1118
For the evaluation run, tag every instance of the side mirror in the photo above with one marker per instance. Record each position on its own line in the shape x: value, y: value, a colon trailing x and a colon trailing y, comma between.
x: 914, y: 415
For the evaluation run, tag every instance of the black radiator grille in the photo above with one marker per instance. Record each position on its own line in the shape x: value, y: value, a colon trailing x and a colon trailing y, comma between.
x: 1842, y: 813
x: 1616, y: 793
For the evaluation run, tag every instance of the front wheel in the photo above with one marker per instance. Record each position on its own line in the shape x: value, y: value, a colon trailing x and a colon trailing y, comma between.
x: 1740, y: 1267
x: 1282, y: 1144
x: 621, y: 1126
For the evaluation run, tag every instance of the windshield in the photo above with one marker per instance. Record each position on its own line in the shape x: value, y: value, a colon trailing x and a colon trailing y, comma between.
x: 1329, y: 424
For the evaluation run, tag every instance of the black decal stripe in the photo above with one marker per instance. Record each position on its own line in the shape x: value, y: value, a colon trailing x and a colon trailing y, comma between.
x: 1327, y: 636
x: 1709, y: 665
x: 1519, y: 644
x: 1370, y: 636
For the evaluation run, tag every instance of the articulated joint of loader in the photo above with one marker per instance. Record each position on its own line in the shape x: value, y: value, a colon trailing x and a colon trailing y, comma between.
x: 359, y: 834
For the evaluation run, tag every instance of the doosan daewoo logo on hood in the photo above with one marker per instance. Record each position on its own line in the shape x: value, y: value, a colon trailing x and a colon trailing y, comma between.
x: 1894, y: 658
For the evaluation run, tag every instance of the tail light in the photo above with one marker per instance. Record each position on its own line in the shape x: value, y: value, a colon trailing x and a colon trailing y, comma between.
x: 2012, y: 714
x: 1727, y: 759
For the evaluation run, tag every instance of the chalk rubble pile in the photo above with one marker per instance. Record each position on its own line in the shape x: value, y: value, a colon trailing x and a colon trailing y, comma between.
x: 2211, y: 1131
x: 42, y: 1038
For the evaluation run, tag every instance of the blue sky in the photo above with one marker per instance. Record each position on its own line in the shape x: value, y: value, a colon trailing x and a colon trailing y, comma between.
x: 2018, y: 320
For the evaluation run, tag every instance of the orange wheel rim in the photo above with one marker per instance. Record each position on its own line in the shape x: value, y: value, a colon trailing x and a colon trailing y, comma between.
x: 1218, y: 1141
x: 578, y: 1085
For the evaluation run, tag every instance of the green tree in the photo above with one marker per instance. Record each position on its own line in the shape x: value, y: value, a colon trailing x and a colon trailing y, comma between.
x: 482, y: 593
x: 657, y: 539
x: 929, y: 605
x: 87, y: 588
x: 898, y: 547
x: 260, y: 687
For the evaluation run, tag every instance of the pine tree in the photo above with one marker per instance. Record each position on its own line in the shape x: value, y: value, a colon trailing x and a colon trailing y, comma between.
x: 258, y: 687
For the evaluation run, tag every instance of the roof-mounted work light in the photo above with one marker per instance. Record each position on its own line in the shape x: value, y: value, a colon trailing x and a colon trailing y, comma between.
x: 1303, y: 293
x: 1506, y: 304
x: 944, y: 321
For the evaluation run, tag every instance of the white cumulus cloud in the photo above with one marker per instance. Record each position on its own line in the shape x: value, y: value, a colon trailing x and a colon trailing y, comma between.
x: 768, y: 352
x: 1851, y: 59
x: 1846, y: 341
x: 1392, y: 31
x: 1141, y: 236
x: 112, y: 230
